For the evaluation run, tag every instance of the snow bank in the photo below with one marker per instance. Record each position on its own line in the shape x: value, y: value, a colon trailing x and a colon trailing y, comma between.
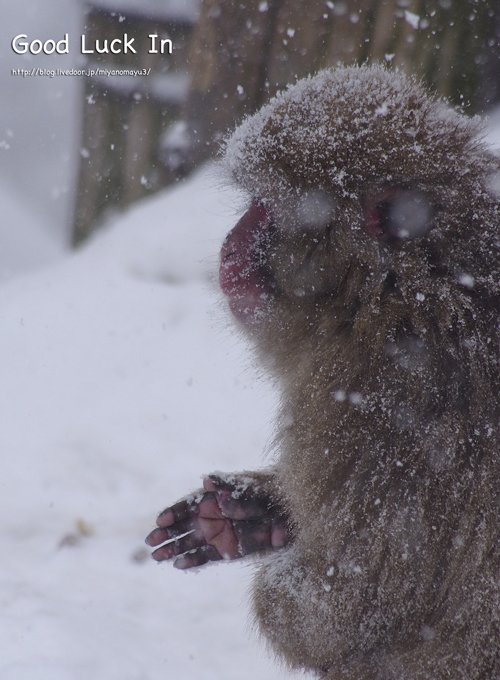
x: 24, y: 244
x: 121, y: 386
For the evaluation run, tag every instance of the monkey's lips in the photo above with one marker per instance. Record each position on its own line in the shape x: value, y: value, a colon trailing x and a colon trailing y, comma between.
x: 243, y: 274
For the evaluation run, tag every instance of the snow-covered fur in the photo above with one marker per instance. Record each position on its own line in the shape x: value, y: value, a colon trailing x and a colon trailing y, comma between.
x: 387, y: 354
x: 347, y: 126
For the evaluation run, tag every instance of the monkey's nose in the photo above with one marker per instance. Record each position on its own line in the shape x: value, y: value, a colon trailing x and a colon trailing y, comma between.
x: 243, y: 275
x: 243, y: 250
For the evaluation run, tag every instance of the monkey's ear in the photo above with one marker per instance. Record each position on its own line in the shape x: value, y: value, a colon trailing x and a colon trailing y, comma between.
x: 394, y: 214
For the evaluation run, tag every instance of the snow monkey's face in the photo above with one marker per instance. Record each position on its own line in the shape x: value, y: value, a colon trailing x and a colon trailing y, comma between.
x: 358, y: 179
x: 325, y: 249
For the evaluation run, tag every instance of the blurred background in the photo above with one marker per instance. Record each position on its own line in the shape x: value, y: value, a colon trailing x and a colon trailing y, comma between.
x: 74, y: 149
x: 121, y: 379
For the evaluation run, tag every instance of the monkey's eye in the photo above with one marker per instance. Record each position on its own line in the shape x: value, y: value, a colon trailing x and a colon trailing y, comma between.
x: 397, y: 214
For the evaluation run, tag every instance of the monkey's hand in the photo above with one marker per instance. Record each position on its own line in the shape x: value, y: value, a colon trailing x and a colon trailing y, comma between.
x: 232, y: 516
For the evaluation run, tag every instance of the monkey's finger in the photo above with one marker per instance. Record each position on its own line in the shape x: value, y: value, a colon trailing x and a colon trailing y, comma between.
x: 279, y: 534
x: 196, y: 558
x: 179, y: 512
x: 191, y: 541
x: 253, y: 535
x: 162, y: 534
x: 156, y: 537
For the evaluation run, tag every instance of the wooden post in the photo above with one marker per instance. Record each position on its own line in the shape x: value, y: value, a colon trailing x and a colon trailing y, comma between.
x: 124, y: 116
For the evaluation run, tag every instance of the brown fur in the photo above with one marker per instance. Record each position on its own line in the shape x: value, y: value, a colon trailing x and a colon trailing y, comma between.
x: 387, y: 355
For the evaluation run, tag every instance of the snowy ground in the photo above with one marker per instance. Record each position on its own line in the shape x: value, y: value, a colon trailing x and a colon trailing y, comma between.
x: 121, y: 384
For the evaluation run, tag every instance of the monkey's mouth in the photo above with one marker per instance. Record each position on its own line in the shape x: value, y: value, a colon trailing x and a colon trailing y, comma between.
x: 243, y: 274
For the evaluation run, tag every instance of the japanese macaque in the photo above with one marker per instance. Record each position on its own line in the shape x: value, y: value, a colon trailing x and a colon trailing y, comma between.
x: 366, y: 272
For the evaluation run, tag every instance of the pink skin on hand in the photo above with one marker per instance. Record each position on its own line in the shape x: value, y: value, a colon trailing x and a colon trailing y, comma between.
x: 217, y: 529
x: 215, y: 526
x: 205, y: 521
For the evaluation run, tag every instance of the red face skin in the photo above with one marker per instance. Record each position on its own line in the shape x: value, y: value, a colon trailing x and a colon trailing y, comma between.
x: 243, y: 275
